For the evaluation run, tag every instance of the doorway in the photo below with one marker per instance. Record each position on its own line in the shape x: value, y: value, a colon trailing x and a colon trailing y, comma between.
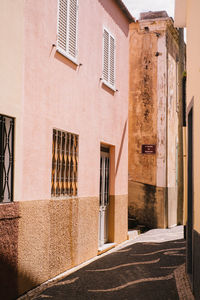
x: 104, y: 194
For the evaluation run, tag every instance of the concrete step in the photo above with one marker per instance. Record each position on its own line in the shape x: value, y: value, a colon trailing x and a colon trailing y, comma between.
x: 132, y: 234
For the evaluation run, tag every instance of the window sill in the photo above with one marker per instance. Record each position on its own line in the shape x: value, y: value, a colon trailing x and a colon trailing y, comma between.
x: 109, y: 85
x: 71, y: 58
x: 63, y: 197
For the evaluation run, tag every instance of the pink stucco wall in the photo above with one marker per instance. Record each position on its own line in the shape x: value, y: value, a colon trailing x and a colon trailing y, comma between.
x: 57, y: 94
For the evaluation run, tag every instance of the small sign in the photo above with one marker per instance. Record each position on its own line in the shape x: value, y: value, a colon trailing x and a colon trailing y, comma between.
x: 148, y: 149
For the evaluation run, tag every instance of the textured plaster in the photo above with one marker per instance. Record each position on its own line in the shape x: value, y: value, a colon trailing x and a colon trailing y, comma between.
x: 60, y: 95
x: 142, y: 104
x: 147, y: 204
x: 118, y: 218
x: 153, y: 119
x: 9, y: 218
x: 54, y: 236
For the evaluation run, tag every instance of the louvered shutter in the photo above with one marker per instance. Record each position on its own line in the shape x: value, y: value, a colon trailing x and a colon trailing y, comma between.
x: 72, y: 28
x: 67, y: 28
x: 62, y: 25
x: 105, y: 55
x: 112, y: 61
x: 108, y: 58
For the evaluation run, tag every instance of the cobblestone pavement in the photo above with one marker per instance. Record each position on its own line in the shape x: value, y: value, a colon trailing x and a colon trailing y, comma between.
x: 145, y: 269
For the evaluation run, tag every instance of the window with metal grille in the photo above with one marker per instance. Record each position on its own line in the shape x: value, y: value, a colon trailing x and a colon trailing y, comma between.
x: 67, y: 28
x: 6, y: 158
x: 108, y: 59
x: 64, y: 164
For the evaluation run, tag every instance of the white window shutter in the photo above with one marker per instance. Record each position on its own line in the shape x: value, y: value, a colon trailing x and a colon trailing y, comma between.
x: 108, y: 59
x: 105, y: 55
x: 67, y: 28
x: 112, y: 61
x: 72, y: 28
x: 62, y: 24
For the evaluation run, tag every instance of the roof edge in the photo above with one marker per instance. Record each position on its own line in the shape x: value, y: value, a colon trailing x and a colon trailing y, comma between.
x: 125, y: 10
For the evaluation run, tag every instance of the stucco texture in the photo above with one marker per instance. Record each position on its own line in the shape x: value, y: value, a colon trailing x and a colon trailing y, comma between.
x: 142, y: 104
x: 9, y: 218
x: 59, y: 94
x: 118, y: 218
x: 153, y: 120
x: 148, y: 204
x: 54, y: 236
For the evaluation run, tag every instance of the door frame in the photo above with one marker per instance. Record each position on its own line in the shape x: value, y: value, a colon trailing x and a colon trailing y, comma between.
x: 104, y: 208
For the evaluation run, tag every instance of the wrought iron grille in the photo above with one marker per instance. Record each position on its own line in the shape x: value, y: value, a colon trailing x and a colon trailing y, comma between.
x: 6, y: 158
x: 64, y: 164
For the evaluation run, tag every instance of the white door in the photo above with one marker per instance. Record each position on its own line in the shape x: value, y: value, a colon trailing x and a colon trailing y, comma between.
x: 104, y: 195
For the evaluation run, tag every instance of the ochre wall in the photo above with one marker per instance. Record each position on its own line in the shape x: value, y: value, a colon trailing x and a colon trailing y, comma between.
x: 142, y: 124
x: 142, y: 104
x: 193, y: 90
x: 118, y: 218
x: 148, y: 204
x: 153, y: 120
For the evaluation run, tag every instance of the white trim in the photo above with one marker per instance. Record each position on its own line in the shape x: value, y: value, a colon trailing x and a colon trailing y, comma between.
x: 61, y: 51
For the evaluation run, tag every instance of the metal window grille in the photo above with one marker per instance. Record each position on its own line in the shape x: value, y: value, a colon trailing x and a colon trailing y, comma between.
x: 64, y: 164
x: 6, y: 158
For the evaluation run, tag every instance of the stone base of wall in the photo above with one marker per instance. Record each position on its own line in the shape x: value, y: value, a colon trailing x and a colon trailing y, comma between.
x: 55, y: 235
x: 148, y: 204
x: 41, y: 239
x: 9, y: 232
x: 196, y: 264
x: 118, y: 218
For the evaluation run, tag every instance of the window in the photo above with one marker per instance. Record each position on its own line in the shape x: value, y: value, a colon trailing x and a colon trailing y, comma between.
x: 67, y: 28
x: 6, y: 158
x: 108, y: 59
x: 64, y: 164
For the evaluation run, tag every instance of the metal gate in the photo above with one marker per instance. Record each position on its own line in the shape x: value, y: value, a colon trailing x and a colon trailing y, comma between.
x: 104, y: 195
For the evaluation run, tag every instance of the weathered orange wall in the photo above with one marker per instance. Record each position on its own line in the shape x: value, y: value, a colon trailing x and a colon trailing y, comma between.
x: 142, y: 104
x: 153, y: 120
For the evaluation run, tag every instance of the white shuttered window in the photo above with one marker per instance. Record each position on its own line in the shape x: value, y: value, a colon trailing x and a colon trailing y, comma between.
x: 108, y: 59
x: 67, y: 28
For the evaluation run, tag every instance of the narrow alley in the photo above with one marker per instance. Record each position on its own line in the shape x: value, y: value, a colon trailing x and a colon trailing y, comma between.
x: 148, y: 267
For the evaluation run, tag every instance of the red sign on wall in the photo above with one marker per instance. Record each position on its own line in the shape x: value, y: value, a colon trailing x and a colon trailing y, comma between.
x: 148, y: 149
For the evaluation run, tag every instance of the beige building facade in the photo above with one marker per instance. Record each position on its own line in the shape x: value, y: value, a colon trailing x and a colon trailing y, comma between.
x: 187, y: 15
x: 154, y: 121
